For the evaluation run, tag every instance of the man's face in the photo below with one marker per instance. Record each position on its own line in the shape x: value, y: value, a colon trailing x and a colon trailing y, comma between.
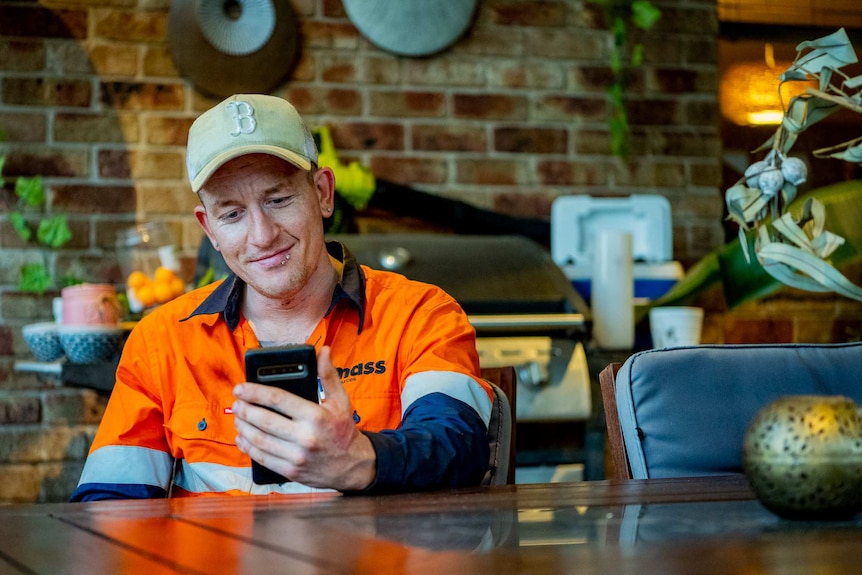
x: 265, y: 217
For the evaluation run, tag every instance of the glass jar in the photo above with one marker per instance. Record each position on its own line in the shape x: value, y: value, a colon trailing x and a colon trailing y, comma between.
x: 148, y: 256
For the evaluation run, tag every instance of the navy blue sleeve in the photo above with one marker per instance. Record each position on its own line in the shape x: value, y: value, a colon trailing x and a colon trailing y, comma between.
x: 441, y: 443
x: 105, y: 491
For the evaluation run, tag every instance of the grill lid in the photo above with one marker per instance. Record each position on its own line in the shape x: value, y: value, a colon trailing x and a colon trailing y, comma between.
x: 504, y: 279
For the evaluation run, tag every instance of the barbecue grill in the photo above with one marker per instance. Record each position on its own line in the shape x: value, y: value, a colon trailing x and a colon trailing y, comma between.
x: 525, y: 311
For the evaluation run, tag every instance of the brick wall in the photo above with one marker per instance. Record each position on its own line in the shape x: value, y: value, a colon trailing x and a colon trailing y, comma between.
x: 509, y: 118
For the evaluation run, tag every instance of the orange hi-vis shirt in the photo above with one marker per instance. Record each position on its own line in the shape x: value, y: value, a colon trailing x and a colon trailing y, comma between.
x: 406, y: 354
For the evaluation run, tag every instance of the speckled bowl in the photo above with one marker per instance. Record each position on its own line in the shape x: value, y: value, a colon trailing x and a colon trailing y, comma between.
x: 43, y: 340
x: 91, y: 343
x: 803, y: 457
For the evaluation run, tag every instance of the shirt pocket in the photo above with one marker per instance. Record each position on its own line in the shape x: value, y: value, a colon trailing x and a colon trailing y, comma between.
x: 200, y: 427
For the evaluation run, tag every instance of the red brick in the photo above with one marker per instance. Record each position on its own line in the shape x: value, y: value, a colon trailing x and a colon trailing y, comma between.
x: 95, y: 128
x: 444, y: 72
x: 317, y: 34
x: 553, y: 43
x: 7, y: 341
x: 19, y: 410
x: 120, y: 164
x: 682, y: 81
x: 114, y: 60
x: 701, y: 113
x: 158, y: 62
x: 653, y: 112
x: 571, y: 173
x: 142, y: 96
x: 23, y: 127
x: 165, y: 198
x: 357, y: 136
x: 47, y: 92
x: 36, y: 21
x: 493, y: 172
x: 491, y: 41
x: 94, y: 199
x: 131, y: 25
x: 685, y: 18
x: 167, y: 131
x: 336, y: 67
x: 535, y: 13
x: 672, y: 143
x: 489, y: 107
x: 312, y: 101
x: 589, y: 141
x: 18, y: 56
x: 530, y: 140
x: 46, y: 162
x: 381, y: 71
x: 410, y: 170
x: 448, y: 138
x: 524, y: 205
x: 600, y: 79
x: 571, y: 108
x: 408, y: 104
x: 536, y: 74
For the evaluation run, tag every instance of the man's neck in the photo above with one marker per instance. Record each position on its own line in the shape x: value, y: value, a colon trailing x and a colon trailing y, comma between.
x: 280, y: 321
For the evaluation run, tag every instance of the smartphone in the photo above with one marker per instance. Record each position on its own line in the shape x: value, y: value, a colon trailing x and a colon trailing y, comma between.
x: 292, y: 368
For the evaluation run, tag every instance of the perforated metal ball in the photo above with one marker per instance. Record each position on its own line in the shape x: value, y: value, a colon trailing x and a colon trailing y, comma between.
x: 803, y: 457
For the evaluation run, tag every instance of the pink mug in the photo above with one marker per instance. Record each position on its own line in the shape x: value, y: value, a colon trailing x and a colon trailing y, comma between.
x: 90, y: 304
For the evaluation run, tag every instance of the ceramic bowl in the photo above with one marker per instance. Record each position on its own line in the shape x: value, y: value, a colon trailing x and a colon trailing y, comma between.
x: 44, y: 340
x: 91, y: 343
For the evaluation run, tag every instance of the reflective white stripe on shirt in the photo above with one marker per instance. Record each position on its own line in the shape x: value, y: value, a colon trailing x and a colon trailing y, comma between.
x: 455, y: 385
x: 203, y: 477
x: 127, y: 464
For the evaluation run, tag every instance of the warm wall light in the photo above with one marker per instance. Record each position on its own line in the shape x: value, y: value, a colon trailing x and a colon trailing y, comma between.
x: 749, y: 91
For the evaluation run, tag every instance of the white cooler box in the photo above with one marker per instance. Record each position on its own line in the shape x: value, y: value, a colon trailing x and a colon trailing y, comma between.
x: 575, y: 221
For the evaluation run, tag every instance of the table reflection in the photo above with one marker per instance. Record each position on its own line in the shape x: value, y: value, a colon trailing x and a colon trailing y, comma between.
x: 579, y: 525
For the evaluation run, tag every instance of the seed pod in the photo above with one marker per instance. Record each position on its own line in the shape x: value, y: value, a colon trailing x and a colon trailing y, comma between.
x: 794, y: 171
x: 770, y: 181
x: 752, y: 173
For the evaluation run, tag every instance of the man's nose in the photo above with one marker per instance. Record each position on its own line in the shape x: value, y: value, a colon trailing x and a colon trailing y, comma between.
x: 262, y: 230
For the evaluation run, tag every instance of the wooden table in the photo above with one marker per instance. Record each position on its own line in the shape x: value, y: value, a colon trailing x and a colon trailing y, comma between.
x: 659, y: 526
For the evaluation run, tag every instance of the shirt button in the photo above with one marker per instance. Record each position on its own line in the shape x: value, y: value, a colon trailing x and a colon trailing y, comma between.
x: 202, y: 424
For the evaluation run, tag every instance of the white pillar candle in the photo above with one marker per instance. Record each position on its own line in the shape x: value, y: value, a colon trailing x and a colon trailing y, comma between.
x: 613, y: 290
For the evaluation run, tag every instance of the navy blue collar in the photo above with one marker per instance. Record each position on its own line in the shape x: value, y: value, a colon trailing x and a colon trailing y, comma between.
x: 226, y: 299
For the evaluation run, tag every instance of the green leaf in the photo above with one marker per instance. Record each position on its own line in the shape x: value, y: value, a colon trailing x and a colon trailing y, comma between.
x: 30, y: 191
x: 743, y: 281
x: 644, y: 14
x: 34, y: 278
x: 19, y: 224
x: 2, y: 163
x: 54, y: 232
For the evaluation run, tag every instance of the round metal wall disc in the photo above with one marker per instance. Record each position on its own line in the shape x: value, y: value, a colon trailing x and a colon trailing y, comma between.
x: 228, y: 47
x: 411, y: 27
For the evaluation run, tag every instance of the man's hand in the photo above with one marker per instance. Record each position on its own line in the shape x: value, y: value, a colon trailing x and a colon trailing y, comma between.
x: 319, y: 446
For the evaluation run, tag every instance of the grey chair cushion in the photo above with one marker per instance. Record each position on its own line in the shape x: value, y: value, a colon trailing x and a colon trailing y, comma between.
x: 684, y: 411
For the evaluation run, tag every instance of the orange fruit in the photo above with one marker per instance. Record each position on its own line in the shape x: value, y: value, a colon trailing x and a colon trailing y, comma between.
x: 178, y: 287
x: 145, y: 295
x: 164, y: 274
x: 136, y: 279
x: 163, y: 291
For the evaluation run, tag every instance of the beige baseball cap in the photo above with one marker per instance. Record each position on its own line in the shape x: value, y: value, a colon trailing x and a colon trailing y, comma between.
x: 247, y: 124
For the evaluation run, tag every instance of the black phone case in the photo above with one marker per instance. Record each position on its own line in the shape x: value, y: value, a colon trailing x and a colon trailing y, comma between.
x: 292, y: 368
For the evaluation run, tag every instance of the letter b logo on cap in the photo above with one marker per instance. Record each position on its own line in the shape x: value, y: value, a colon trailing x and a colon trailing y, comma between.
x: 243, y: 115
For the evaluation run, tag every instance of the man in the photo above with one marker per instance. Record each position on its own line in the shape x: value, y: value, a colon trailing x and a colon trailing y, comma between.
x: 403, y: 408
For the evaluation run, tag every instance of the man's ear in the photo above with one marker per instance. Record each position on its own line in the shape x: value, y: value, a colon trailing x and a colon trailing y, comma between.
x: 324, y: 182
x: 203, y: 221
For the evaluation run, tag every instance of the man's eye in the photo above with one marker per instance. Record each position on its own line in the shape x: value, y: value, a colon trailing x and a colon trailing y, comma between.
x: 232, y: 215
x: 278, y: 201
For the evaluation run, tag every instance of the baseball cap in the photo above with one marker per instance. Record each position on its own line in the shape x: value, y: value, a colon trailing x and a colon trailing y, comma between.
x: 247, y: 124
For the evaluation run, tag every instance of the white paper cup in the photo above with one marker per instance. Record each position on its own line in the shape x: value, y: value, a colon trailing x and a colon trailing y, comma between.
x: 675, y: 326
